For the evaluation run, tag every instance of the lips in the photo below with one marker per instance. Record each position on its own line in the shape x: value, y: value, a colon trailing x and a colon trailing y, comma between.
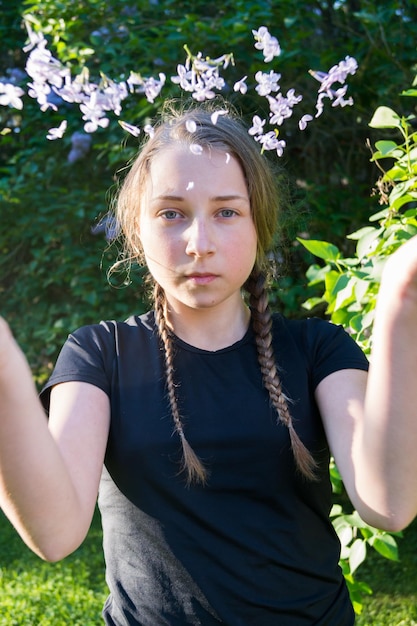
x: 201, y: 278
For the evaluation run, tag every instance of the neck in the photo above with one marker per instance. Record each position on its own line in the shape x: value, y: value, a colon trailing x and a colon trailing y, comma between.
x: 210, y: 329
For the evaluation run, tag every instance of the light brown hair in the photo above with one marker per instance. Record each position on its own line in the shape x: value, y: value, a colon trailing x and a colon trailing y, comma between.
x: 230, y: 135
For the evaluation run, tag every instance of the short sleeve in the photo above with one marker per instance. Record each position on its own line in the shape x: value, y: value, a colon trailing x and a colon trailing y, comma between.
x: 87, y: 356
x: 331, y: 348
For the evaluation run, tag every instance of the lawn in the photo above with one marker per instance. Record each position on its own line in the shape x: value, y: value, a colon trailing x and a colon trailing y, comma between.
x: 34, y: 593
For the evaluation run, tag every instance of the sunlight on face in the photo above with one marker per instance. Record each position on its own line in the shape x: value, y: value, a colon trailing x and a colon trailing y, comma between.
x: 196, y: 226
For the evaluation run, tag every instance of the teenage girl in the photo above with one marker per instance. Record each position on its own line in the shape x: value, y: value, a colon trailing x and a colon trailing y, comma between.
x: 206, y: 425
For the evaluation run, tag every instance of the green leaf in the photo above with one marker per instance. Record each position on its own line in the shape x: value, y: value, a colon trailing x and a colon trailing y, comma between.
x: 380, y: 215
x: 311, y: 303
x: 385, y: 149
x: 341, y: 317
x: 322, y: 249
x: 399, y: 201
x: 357, y: 554
x: 361, y: 289
x: 361, y: 322
x: 336, y: 510
x: 386, y: 545
x: 316, y: 274
x: 331, y: 279
x: 355, y: 520
x: 384, y: 117
x: 344, y: 290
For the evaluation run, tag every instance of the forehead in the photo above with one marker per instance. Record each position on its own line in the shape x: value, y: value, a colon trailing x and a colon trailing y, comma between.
x: 191, y: 167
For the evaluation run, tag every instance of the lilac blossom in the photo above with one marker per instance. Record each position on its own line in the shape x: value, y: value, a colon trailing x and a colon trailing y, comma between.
x: 52, y: 84
x: 11, y: 95
x: 340, y: 99
x: 130, y: 128
x: 153, y: 87
x: 215, y: 116
x: 149, y: 130
x: 57, y: 133
x: 270, y: 141
x: 281, y: 107
x: 257, y: 126
x: 267, y: 43
x: 41, y: 92
x: 241, y: 86
x: 304, y: 121
x: 42, y: 67
x: 201, y: 76
x: 93, y: 114
x: 196, y: 149
x: 191, y: 126
x: 267, y: 83
x: 72, y: 90
x: 337, y: 74
x: 35, y: 39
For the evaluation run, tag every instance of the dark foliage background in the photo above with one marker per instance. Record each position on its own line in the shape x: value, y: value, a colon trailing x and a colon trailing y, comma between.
x: 52, y: 267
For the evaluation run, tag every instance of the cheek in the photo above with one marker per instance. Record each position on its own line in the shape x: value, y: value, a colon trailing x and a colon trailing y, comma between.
x: 249, y: 246
x: 159, y: 250
x: 242, y: 253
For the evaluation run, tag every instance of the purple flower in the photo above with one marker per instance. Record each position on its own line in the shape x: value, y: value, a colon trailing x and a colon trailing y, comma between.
x: 302, y: 124
x: 270, y: 141
x: 267, y: 83
x: 153, y: 87
x: 267, y: 43
x: 257, y: 126
x: 215, y: 116
x: 57, y: 133
x: 281, y: 107
x: 130, y: 128
x: 241, y: 85
x: 10, y: 95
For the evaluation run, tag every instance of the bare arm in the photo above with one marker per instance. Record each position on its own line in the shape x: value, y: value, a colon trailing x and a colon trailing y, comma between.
x: 372, y: 430
x: 48, y: 476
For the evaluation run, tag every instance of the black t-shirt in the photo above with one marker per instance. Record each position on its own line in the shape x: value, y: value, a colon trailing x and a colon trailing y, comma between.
x: 253, y: 547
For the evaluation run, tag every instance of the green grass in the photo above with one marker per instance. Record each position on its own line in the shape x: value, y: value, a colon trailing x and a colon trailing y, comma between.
x: 394, y: 585
x: 35, y: 593
x: 72, y: 592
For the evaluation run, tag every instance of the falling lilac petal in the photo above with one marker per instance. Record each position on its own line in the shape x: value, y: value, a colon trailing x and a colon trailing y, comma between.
x: 191, y: 126
x: 216, y: 114
x: 129, y: 128
x: 57, y: 133
x: 196, y: 149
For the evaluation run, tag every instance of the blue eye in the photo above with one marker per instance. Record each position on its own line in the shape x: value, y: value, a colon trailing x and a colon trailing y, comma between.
x: 170, y: 214
x: 227, y: 213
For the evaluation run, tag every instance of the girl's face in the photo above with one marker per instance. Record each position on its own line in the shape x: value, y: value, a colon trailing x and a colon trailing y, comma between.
x: 196, y: 228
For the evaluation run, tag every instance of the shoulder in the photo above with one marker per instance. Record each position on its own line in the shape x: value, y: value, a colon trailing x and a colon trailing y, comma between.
x: 325, y: 347
x: 308, y: 332
x: 111, y: 332
x: 93, y: 352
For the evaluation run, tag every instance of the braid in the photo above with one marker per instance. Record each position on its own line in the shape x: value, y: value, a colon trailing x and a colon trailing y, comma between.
x: 262, y: 324
x: 191, y: 464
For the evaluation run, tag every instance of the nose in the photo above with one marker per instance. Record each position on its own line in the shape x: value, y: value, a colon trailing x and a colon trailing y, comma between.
x: 200, y: 240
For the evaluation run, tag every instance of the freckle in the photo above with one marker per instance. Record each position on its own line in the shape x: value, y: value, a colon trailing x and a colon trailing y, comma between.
x: 190, y: 185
